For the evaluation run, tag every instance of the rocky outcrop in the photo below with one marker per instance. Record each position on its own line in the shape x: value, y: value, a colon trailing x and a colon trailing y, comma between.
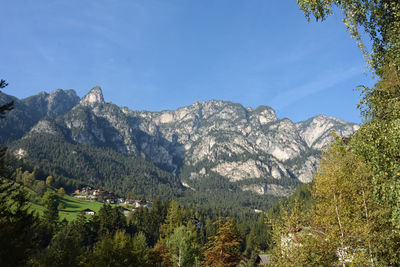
x: 95, y: 96
x: 316, y: 131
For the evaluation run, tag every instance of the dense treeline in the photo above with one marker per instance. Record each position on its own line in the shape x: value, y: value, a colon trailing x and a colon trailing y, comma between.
x: 17, y: 169
x: 166, y: 235
x: 101, y: 167
x: 169, y: 234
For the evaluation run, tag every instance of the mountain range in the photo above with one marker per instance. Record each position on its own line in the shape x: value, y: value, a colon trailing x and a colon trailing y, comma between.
x: 249, y: 150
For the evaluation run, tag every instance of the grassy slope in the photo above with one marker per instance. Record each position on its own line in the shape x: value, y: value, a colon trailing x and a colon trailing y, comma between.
x: 73, y: 207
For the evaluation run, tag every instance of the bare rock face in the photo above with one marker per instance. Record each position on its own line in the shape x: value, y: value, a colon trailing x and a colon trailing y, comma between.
x: 95, y: 96
x: 44, y: 126
x: 250, y: 147
x: 316, y: 131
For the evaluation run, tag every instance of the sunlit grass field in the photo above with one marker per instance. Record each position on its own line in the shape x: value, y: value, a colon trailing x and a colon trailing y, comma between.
x: 73, y: 207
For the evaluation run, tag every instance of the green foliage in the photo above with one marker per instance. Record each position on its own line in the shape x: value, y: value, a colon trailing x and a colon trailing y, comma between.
x: 176, y: 217
x: 149, y: 221
x: 259, y: 237
x: 101, y: 167
x: 66, y: 248
x: 7, y: 106
x: 18, y: 226
x: 217, y: 194
x: 61, y: 192
x: 344, y: 222
x: 40, y: 188
x: 50, y: 219
x: 49, y: 180
x: 377, y: 142
x: 344, y: 207
x: 140, y: 249
x: 183, y: 247
x: 356, y: 201
x: 120, y: 250
x: 28, y: 179
x: 109, y: 220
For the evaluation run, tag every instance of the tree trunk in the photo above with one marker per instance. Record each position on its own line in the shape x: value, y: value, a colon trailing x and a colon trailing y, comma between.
x: 340, y: 226
x: 367, y: 217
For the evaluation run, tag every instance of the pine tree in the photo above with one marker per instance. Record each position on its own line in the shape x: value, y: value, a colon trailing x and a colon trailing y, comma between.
x: 223, y: 249
x: 174, y: 219
x: 18, y: 227
x: 7, y: 106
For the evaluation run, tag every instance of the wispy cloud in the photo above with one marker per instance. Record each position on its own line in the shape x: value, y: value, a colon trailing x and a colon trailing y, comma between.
x: 322, y: 83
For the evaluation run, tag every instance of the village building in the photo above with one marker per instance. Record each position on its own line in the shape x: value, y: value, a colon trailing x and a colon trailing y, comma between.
x: 88, y: 212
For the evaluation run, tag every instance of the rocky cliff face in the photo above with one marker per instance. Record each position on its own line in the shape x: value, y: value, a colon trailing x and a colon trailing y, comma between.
x: 250, y: 147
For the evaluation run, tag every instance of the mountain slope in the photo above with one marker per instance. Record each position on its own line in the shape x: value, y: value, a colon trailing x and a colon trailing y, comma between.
x: 100, y: 167
x: 29, y: 111
x: 251, y: 149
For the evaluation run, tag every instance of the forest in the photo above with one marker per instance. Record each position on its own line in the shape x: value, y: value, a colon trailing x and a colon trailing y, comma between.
x: 348, y: 216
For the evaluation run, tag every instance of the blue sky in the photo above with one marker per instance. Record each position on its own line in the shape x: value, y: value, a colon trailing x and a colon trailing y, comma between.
x: 157, y: 55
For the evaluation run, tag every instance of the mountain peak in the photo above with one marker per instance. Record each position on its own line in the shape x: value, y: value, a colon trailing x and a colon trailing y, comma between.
x: 95, y: 96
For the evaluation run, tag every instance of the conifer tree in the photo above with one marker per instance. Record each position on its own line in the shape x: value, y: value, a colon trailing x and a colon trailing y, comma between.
x: 18, y: 227
x: 174, y: 219
x: 50, y: 214
x: 223, y: 249
x: 7, y: 106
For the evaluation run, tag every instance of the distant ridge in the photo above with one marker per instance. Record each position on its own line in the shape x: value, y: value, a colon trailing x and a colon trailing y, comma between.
x: 251, y: 149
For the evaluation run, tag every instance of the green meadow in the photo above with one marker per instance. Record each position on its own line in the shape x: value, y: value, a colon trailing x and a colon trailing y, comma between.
x: 72, y: 207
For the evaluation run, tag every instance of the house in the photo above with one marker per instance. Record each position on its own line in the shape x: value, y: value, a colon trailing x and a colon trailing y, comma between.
x: 148, y: 205
x: 263, y: 260
x: 139, y: 203
x: 128, y: 201
x: 126, y: 212
x: 88, y: 212
x: 111, y: 201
